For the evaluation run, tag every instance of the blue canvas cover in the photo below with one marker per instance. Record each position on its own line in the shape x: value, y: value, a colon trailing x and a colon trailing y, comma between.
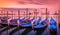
x: 24, y: 24
x: 53, y: 24
x: 41, y: 25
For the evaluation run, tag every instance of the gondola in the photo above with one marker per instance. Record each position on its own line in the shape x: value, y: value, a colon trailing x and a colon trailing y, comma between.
x: 26, y: 23
x: 41, y: 25
x: 4, y: 21
x: 13, y: 22
x: 53, y: 24
x: 53, y: 27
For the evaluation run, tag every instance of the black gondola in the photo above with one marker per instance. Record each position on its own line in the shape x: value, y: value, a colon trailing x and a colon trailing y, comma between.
x: 4, y: 21
x: 13, y: 22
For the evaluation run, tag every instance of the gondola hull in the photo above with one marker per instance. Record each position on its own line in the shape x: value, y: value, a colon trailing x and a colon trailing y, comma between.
x: 53, y: 32
x: 26, y: 26
x: 41, y: 27
x: 13, y: 25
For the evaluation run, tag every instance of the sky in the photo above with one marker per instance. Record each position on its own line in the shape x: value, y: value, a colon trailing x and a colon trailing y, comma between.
x: 51, y: 4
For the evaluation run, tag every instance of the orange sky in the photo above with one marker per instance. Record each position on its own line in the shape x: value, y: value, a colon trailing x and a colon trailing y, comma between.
x: 54, y: 4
